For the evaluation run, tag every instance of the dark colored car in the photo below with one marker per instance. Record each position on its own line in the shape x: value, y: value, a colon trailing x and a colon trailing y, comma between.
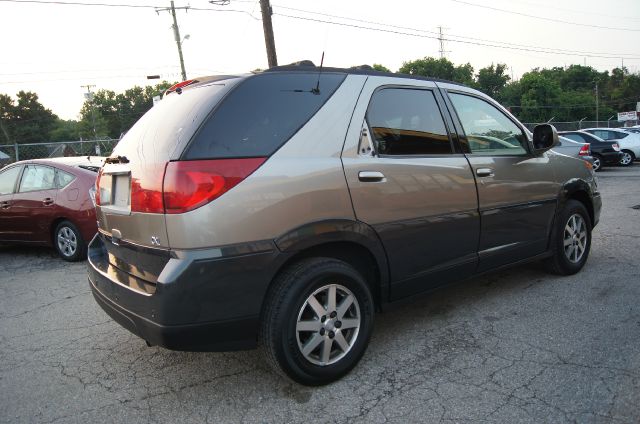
x: 605, y: 153
x: 284, y: 208
x: 47, y: 202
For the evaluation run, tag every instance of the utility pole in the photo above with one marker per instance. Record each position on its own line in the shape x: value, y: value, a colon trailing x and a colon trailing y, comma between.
x: 441, y: 39
x: 176, y: 33
x: 268, y: 33
x: 597, y: 105
x: 89, y: 96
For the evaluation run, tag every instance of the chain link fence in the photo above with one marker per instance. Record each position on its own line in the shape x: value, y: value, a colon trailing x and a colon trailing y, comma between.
x: 578, y: 125
x: 22, y: 151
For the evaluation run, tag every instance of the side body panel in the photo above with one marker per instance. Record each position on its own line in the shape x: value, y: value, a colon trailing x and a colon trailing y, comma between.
x: 302, y: 182
x: 424, y: 210
x: 517, y: 200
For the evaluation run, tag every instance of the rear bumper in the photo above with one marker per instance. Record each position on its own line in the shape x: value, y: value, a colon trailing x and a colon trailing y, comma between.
x: 205, y: 300
x: 597, y: 207
x: 611, y: 158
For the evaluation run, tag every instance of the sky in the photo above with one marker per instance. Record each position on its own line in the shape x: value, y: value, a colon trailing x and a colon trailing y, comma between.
x: 55, y: 49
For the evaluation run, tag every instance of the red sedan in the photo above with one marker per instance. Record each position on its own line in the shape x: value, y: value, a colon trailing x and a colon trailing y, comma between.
x: 47, y: 202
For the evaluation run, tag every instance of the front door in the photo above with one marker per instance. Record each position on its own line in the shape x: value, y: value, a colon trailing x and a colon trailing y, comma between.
x: 8, y: 179
x: 517, y: 189
x: 409, y: 185
x: 34, y: 204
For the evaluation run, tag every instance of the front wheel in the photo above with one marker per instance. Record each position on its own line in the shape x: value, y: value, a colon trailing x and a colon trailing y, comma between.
x: 317, y: 321
x: 597, y: 163
x: 572, y: 240
x: 627, y: 158
x: 68, y: 242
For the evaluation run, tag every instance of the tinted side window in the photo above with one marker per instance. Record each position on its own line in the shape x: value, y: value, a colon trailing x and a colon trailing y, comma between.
x: 488, y: 130
x: 602, y: 134
x: 575, y: 137
x: 64, y: 178
x: 261, y: 114
x: 8, y: 179
x: 407, y: 122
x: 37, y: 178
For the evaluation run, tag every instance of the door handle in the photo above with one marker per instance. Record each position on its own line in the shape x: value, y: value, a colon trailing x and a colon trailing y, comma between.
x: 484, y: 172
x: 48, y: 201
x: 5, y: 204
x: 371, y: 176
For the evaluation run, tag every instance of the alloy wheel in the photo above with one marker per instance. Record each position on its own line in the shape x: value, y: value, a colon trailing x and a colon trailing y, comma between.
x: 328, y: 324
x: 596, y: 163
x: 626, y: 159
x: 575, y: 238
x: 67, y: 241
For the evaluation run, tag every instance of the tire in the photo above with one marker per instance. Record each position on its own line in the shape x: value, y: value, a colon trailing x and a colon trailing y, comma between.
x: 292, y: 321
x: 570, y: 253
x: 627, y: 158
x: 68, y: 242
x: 597, y: 163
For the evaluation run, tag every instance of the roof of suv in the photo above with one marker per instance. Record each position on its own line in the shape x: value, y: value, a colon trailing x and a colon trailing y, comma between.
x: 307, y: 66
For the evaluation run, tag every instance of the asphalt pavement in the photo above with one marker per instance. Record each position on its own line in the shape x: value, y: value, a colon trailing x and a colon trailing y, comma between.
x: 517, y: 346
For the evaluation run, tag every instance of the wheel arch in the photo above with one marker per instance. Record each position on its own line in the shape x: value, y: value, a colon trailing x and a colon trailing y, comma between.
x: 579, y: 190
x: 350, y: 241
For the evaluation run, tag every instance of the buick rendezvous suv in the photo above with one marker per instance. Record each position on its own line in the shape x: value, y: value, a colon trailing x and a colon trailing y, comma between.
x: 284, y: 208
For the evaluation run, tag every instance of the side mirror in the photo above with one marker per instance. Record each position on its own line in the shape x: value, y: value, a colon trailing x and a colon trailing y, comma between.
x: 545, y: 137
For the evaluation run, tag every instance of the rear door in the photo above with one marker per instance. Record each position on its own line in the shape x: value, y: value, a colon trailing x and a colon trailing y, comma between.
x: 409, y: 184
x: 517, y: 190
x: 8, y: 180
x: 34, y: 204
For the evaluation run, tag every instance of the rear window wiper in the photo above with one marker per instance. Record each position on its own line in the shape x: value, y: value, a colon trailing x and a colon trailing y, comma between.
x: 117, y: 159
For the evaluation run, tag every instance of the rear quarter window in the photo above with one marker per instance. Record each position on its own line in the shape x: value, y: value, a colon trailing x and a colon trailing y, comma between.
x: 261, y: 114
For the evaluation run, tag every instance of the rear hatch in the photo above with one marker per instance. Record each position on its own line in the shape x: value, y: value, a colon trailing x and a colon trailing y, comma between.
x: 190, y: 149
x: 129, y: 199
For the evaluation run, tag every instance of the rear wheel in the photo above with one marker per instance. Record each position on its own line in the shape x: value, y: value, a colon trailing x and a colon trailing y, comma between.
x: 317, y: 321
x: 572, y: 240
x: 627, y: 158
x: 68, y: 242
x: 597, y: 163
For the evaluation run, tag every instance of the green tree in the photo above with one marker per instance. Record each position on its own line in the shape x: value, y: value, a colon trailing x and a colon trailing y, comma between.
x: 381, y: 68
x: 492, y: 79
x: 539, y: 94
x: 114, y: 113
x: 439, y: 68
x: 25, y: 120
x: 65, y: 131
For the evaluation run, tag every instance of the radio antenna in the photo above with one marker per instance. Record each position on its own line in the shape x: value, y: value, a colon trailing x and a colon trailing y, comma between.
x: 317, y: 89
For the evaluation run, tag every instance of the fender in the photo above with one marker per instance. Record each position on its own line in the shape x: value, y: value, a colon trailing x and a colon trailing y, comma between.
x: 336, y: 230
x: 568, y: 191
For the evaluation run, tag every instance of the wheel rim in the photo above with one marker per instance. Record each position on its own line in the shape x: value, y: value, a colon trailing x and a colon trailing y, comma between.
x: 596, y: 164
x: 67, y: 241
x: 626, y: 159
x: 328, y: 324
x: 575, y: 238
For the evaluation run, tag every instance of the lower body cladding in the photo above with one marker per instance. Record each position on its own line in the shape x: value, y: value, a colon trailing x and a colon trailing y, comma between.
x: 204, y: 300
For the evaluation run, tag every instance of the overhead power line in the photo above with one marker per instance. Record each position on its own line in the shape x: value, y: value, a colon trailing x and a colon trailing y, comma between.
x: 435, y: 33
x: 435, y: 37
x: 544, y: 18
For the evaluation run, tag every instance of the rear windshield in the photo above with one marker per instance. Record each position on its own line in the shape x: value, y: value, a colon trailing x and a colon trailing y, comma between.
x: 261, y: 114
x: 170, y: 123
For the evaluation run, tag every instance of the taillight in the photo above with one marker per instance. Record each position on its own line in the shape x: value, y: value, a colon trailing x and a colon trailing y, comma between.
x: 145, y: 199
x: 584, y: 150
x: 97, y: 199
x: 616, y: 147
x: 191, y: 184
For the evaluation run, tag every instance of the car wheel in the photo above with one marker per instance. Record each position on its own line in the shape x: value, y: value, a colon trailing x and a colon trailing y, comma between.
x: 572, y: 240
x: 627, y: 158
x: 68, y: 242
x: 317, y: 321
x: 597, y: 163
